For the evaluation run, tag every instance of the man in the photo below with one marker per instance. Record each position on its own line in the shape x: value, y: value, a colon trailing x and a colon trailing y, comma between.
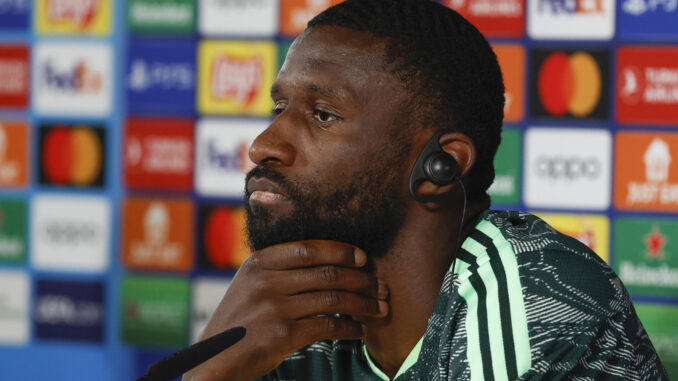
x: 354, y: 278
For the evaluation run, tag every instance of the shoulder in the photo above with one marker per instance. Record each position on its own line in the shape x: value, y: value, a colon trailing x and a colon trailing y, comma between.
x: 558, y: 267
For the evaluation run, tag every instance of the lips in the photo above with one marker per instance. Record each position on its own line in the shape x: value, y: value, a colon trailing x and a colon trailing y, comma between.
x: 264, y: 191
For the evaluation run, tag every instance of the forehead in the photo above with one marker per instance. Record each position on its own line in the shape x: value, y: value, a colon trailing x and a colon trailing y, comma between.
x: 350, y: 59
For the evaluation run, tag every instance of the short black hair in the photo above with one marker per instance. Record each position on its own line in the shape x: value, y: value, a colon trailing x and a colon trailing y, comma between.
x: 445, y: 62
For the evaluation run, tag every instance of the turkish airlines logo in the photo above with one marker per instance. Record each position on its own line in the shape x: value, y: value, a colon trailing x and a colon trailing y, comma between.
x: 571, y: 84
x: 13, y: 76
x: 653, y: 85
x: 639, y: 7
x: 77, y: 12
x: 159, y: 153
x: 72, y: 155
x: 297, y: 13
x: 488, y: 8
x: 158, y: 234
x: 236, y: 78
x: 647, y: 90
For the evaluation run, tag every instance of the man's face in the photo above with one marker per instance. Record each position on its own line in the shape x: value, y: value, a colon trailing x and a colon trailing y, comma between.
x: 333, y: 163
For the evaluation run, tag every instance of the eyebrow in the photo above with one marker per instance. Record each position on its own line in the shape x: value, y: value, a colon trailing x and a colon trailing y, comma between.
x: 325, y: 91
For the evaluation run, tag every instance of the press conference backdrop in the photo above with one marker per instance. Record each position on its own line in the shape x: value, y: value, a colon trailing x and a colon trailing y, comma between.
x: 124, y: 128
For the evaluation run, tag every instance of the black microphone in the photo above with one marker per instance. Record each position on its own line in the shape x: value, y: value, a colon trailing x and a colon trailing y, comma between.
x: 180, y: 362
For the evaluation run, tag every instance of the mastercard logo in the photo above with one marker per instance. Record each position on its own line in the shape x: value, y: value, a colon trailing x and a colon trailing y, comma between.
x: 224, y: 244
x: 569, y: 83
x: 72, y: 156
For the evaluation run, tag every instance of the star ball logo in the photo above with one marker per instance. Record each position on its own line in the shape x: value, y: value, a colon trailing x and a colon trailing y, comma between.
x: 72, y: 155
x: 73, y: 16
x: 570, y: 84
x: 234, y: 77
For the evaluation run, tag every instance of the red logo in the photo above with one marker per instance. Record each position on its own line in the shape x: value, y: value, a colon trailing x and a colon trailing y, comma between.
x: 159, y: 154
x: 72, y: 155
x: 14, y: 76
x: 655, y: 242
x: 494, y: 18
x: 647, y: 85
x: 570, y: 84
x: 237, y: 79
x: 223, y: 243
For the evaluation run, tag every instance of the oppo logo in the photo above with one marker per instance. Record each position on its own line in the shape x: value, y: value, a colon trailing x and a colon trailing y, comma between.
x: 568, y: 168
x: 71, y: 232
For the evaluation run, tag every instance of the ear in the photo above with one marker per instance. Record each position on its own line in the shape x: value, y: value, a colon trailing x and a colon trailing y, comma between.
x: 462, y: 149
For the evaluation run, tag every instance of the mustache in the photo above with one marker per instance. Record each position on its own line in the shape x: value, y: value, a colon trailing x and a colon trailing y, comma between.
x: 272, y: 175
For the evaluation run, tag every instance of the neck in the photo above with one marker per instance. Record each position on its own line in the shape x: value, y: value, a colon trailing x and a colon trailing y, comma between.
x: 414, y: 269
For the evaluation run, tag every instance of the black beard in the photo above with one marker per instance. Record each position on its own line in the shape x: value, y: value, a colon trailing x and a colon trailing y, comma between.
x: 367, y: 212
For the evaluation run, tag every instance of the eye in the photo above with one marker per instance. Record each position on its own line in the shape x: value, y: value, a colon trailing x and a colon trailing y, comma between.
x: 277, y: 110
x: 324, y: 116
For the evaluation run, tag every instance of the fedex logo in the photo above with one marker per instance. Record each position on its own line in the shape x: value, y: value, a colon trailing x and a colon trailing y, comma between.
x: 237, y: 78
x: 222, y: 155
x: 79, y: 12
x: 80, y: 78
x: 73, y: 78
x: 229, y: 160
x: 571, y: 19
x: 571, y: 6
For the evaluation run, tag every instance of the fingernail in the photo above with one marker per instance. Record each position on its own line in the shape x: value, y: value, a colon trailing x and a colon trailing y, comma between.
x: 359, y: 257
x: 382, y: 291
x: 383, y: 307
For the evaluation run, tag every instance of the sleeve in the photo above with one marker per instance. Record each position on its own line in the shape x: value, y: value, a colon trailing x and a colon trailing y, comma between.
x: 617, y: 348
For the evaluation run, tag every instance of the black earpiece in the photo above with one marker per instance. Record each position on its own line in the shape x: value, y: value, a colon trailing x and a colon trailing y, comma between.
x: 434, y: 165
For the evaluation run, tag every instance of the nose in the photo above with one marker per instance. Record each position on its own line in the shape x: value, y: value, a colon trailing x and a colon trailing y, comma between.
x: 272, y: 147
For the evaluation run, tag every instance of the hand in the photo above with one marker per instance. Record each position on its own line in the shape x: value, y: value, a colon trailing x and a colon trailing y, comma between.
x: 285, y: 296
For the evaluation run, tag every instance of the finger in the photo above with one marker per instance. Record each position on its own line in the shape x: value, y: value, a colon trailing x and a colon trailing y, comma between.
x: 322, y: 328
x: 292, y: 255
x: 329, y: 277
x: 333, y: 302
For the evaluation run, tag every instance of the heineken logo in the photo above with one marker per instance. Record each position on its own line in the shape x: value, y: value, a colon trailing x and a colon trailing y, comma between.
x: 644, y: 257
x: 655, y: 242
